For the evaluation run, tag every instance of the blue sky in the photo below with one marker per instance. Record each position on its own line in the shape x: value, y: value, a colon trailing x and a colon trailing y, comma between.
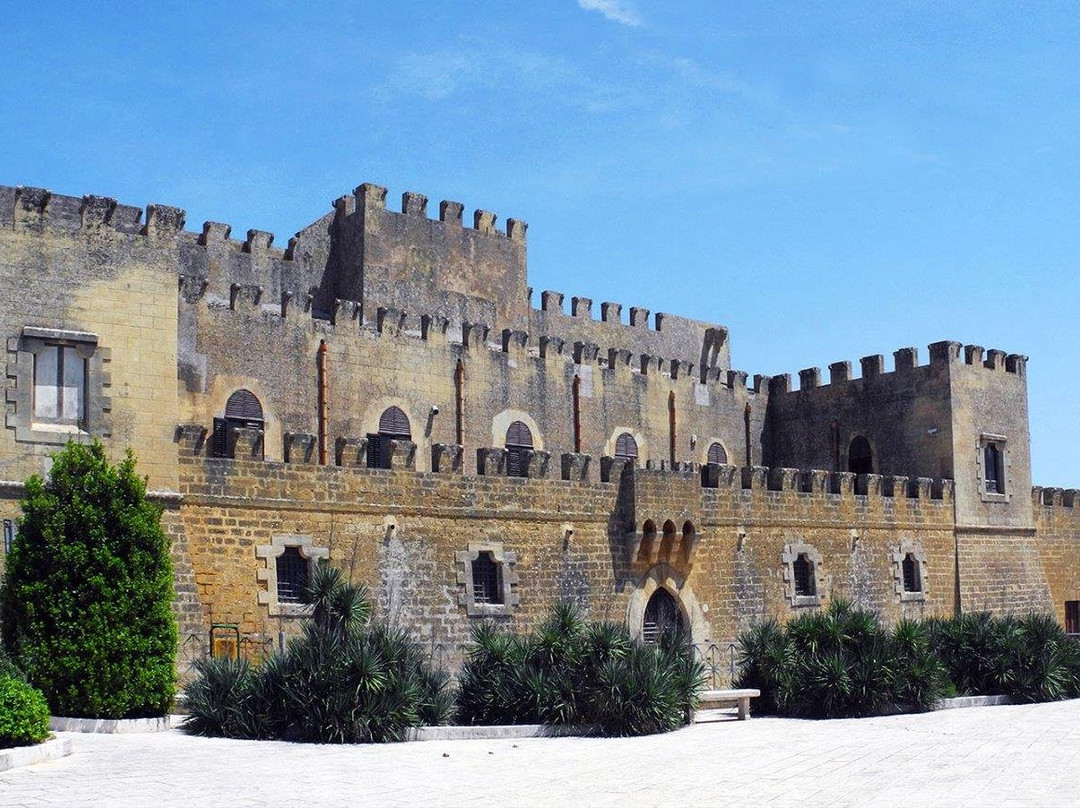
x: 827, y: 179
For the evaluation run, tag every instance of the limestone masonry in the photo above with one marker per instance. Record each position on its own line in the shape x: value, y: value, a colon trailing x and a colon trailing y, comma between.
x: 382, y: 393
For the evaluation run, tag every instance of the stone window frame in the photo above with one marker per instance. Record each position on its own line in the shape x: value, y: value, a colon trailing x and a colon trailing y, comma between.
x: 791, y: 552
x: 987, y: 439
x: 506, y: 560
x: 898, y: 556
x: 267, y: 573
x: 22, y: 352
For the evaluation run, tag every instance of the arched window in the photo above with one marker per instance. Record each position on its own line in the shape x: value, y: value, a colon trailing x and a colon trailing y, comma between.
x: 860, y: 458
x: 805, y: 581
x: 485, y: 575
x: 717, y: 455
x: 994, y: 469
x: 912, y: 574
x: 662, y: 616
x: 518, y: 440
x: 393, y: 425
x: 242, y: 411
x: 626, y: 447
x: 292, y: 576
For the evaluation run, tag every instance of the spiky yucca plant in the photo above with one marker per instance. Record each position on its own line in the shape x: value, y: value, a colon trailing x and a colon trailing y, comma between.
x: 345, y: 679
x: 572, y: 672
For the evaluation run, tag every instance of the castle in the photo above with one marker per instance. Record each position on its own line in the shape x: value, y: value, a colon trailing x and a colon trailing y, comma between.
x: 382, y: 393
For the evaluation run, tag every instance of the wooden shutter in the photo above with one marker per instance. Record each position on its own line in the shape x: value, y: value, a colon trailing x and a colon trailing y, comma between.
x: 519, y: 435
x: 219, y: 442
x: 396, y: 423
x: 626, y: 446
x: 244, y: 406
x: 717, y: 454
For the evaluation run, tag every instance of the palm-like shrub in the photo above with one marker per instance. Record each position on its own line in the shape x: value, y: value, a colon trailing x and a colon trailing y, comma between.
x: 1038, y: 660
x: 87, y: 597
x: 969, y: 645
x: 345, y: 679
x: 572, y: 672
x: 837, y: 663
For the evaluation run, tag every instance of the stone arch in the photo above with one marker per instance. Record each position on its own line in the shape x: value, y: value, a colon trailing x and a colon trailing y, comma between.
x: 611, y: 446
x: 860, y: 459
x: 664, y: 575
x: 500, y: 424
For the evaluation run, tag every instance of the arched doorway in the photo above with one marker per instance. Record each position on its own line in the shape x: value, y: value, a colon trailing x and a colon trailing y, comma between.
x: 860, y: 457
x: 662, y: 615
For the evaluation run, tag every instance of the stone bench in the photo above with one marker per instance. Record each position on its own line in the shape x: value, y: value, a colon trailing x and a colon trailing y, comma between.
x: 719, y: 699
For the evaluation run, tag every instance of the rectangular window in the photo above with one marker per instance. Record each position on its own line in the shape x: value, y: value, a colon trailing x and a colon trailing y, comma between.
x: 59, y: 386
x: 9, y: 535
x: 1072, y: 617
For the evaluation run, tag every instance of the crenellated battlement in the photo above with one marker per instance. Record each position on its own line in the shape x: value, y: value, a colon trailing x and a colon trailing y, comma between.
x: 905, y: 362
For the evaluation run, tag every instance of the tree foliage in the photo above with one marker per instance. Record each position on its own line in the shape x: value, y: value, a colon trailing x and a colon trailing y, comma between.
x: 87, y: 596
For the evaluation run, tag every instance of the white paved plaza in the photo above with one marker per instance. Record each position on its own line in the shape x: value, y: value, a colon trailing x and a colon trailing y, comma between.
x: 991, y: 756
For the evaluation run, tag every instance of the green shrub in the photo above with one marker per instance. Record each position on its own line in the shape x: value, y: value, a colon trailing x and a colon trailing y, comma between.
x: 838, y: 663
x: 346, y: 679
x: 969, y: 645
x: 571, y: 672
x: 87, y: 597
x: 1038, y: 661
x: 24, y: 715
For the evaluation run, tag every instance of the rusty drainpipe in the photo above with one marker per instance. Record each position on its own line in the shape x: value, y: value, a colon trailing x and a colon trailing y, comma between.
x: 324, y: 401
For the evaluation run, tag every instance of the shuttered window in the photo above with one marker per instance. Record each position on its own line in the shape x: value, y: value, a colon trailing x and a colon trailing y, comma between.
x: 518, y: 440
x: 393, y: 425
x: 717, y: 455
x: 242, y: 411
x: 626, y: 446
x: 59, y: 386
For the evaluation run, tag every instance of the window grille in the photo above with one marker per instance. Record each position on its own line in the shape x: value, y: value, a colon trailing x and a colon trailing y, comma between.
x: 59, y: 386
x: 912, y: 576
x: 292, y: 576
x: 803, y: 569
x: 485, y: 575
x: 626, y: 446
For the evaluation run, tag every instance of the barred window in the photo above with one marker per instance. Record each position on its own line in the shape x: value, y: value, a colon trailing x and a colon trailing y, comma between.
x: 803, y: 569
x: 292, y: 576
x: 485, y: 576
x: 912, y: 574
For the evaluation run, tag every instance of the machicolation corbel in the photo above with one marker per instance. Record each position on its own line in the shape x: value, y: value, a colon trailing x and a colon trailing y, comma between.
x: 516, y: 230
x: 446, y: 458
x: 350, y: 451
x: 31, y: 206
x: 345, y: 311
x: 995, y: 359
x: 193, y: 287
x: 585, y: 352
x: 414, y: 204
x: 257, y: 241
x: 611, y: 312
x: 484, y: 221
x: 778, y: 385
x: 842, y: 483
x: 944, y: 352
x: 551, y: 347
x: 906, y: 359
x: 245, y: 297
x: 619, y: 358
x: 576, y: 467
x: 639, y: 317
x: 839, y: 372
x: 736, y: 379
x: 295, y: 306
x: 581, y: 307
x: 872, y: 366
x: 370, y: 196
x: 433, y: 328
x: 551, y: 302
x: 97, y: 211
x: 809, y: 378
x: 214, y: 232
x: 755, y: 478
x: 390, y: 321
x: 163, y: 222
x: 450, y: 213
x: 300, y: 448
x: 514, y: 342
x: 474, y: 335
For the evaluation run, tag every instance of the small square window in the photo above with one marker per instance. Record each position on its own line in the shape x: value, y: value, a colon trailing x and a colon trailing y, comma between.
x: 1072, y: 617
x: 487, y: 579
x: 59, y: 386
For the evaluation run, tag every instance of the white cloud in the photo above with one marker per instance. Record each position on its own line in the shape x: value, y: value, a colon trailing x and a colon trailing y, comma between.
x: 619, y: 11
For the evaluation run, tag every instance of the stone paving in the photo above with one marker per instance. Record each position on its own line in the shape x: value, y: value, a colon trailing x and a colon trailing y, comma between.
x: 1001, y: 756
